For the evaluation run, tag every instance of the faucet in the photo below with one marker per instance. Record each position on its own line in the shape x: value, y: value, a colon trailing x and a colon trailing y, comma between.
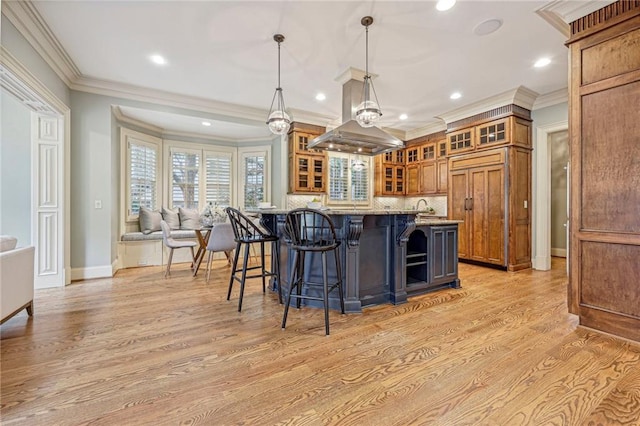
x: 418, y: 204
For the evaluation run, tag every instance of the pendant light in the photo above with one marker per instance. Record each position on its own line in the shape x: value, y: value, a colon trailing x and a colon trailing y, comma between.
x: 278, y: 121
x: 368, y: 112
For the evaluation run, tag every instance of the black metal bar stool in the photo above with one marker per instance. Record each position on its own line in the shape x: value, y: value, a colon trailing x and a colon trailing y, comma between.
x: 311, y: 231
x: 245, y: 234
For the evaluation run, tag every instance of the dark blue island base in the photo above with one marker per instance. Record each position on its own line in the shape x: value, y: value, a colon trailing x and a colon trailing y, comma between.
x: 386, y: 256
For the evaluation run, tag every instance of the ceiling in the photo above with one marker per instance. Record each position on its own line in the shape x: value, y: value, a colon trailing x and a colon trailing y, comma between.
x: 223, y: 52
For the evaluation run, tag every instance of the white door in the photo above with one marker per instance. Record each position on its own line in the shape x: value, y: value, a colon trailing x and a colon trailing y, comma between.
x: 47, y: 235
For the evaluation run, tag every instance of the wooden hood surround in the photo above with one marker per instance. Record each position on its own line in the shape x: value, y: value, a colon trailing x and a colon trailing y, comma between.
x: 604, y: 108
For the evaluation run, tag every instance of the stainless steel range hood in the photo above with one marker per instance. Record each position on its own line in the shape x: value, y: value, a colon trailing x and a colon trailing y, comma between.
x: 350, y: 136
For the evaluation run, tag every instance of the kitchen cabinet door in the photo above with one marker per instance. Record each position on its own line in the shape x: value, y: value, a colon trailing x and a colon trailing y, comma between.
x: 457, y: 209
x: 428, y: 178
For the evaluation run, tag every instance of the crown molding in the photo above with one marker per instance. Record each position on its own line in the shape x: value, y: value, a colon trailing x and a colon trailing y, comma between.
x: 429, y: 129
x: 552, y: 98
x: 28, y: 21
x: 167, y: 133
x: 520, y: 96
x: 222, y: 110
x: 560, y: 13
x: 352, y: 73
x: 117, y: 113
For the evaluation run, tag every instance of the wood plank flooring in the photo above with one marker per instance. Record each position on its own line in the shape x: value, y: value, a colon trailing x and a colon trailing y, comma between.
x: 139, y: 349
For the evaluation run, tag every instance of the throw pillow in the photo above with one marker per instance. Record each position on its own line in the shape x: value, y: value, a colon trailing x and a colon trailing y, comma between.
x: 7, y: 243
x: 149, y: 220
x: 171, y: 217
x: 189, y: 219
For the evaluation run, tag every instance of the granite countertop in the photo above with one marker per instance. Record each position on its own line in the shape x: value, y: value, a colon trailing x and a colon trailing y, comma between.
x: 422, y: 220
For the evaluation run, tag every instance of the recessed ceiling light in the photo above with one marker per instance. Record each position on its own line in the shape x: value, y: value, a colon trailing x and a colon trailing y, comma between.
x: 455, y: 95
x: 487, y: 27
x: 321, y: 97
x: 206, y: 123
x: 443, y: 5
x: 542, y: 62
x: 403, y: 116
x: 158, y: 59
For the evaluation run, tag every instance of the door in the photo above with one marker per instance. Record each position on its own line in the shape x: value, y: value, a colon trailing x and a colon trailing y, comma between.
x: 458, y: 205
x: 487, y: 214
x: 47, y: 134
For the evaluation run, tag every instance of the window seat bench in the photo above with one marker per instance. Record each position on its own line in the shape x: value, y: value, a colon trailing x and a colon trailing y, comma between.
x: 138, y: 249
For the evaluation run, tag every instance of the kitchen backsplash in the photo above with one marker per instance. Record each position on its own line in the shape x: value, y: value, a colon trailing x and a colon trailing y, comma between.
x: 439, y: 203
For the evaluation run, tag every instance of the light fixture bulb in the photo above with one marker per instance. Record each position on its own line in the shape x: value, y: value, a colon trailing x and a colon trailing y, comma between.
x: 367, y: 113
x: 542, y: 62
x: 279, y: 122
x: 443, y: 5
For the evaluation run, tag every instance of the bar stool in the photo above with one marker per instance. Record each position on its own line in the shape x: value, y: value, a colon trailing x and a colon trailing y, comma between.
x: 311, y: 231
x: 245, y: 234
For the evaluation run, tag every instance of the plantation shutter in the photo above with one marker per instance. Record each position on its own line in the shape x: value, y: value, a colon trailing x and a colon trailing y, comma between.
x: 218, y: 178
x: 143, y: 176
x: 338, y: 178
x: 185, y: 167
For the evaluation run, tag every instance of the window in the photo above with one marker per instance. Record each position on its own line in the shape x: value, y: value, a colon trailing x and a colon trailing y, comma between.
x: 218, y: 182
x: 142, y: 184
x: 349, y: 179
x: 185, y: 170
x: 254, y: 178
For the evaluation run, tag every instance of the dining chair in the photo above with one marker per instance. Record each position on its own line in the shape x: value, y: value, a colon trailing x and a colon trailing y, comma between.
x: 221, y: 239
x: 173, y: 244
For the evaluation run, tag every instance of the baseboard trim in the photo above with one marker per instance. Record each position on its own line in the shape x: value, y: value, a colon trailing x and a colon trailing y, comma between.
x: 92, y: 272
x: 559, y: 252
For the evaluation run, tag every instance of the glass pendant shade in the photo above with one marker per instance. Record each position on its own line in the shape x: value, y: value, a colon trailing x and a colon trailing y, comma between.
x: 278, y: 120
x: 368, y: 112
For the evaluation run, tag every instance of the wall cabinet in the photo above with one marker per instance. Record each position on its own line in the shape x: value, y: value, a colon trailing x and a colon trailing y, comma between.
x: 427, y: 169
x: 390, y: 173
x: 490, y: 192
x: 306, y: 166
x: 605, y: 148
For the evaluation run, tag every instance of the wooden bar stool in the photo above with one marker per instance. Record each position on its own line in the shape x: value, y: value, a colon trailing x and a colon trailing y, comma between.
x: 311, y: 231
x: 246, y: 233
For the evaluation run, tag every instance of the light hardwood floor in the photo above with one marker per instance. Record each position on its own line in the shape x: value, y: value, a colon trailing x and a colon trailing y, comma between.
x: 141, y: 349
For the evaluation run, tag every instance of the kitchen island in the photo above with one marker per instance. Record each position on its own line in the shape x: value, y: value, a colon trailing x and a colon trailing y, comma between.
x: 387, y: 255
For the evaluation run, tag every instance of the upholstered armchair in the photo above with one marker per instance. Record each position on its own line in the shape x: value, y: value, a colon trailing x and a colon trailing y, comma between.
x: 16, y: 278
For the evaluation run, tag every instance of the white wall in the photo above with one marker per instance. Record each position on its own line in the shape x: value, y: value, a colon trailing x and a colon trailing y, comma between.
x: 552, y: 118
x: 95, y: 175
x: 559, y: 144
x: 15, y: 163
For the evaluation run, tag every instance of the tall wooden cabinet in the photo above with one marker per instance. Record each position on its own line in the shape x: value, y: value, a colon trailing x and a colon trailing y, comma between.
x: 489, y: 190
x: 306, y: 166
x: 604, y: 107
